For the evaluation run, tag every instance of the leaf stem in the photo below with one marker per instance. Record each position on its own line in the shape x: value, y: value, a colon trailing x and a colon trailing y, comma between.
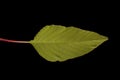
x: 12, y: 41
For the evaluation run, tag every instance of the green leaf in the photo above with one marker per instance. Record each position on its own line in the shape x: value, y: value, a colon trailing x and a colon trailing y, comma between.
x: 59, y: 43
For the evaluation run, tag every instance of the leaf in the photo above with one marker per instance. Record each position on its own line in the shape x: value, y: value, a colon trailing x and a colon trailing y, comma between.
x: 59, y: 43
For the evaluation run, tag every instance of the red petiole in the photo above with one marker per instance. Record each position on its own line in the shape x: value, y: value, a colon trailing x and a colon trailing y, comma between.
x: 12, y: 41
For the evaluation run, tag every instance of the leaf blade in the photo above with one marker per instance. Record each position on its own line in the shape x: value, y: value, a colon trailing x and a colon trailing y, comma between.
x: 59, y: 43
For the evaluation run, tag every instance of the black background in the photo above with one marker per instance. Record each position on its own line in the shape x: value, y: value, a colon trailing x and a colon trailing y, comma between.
x: 23, y: 25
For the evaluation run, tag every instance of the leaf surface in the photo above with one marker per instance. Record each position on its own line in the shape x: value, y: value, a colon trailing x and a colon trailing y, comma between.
x: 59, y: 43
